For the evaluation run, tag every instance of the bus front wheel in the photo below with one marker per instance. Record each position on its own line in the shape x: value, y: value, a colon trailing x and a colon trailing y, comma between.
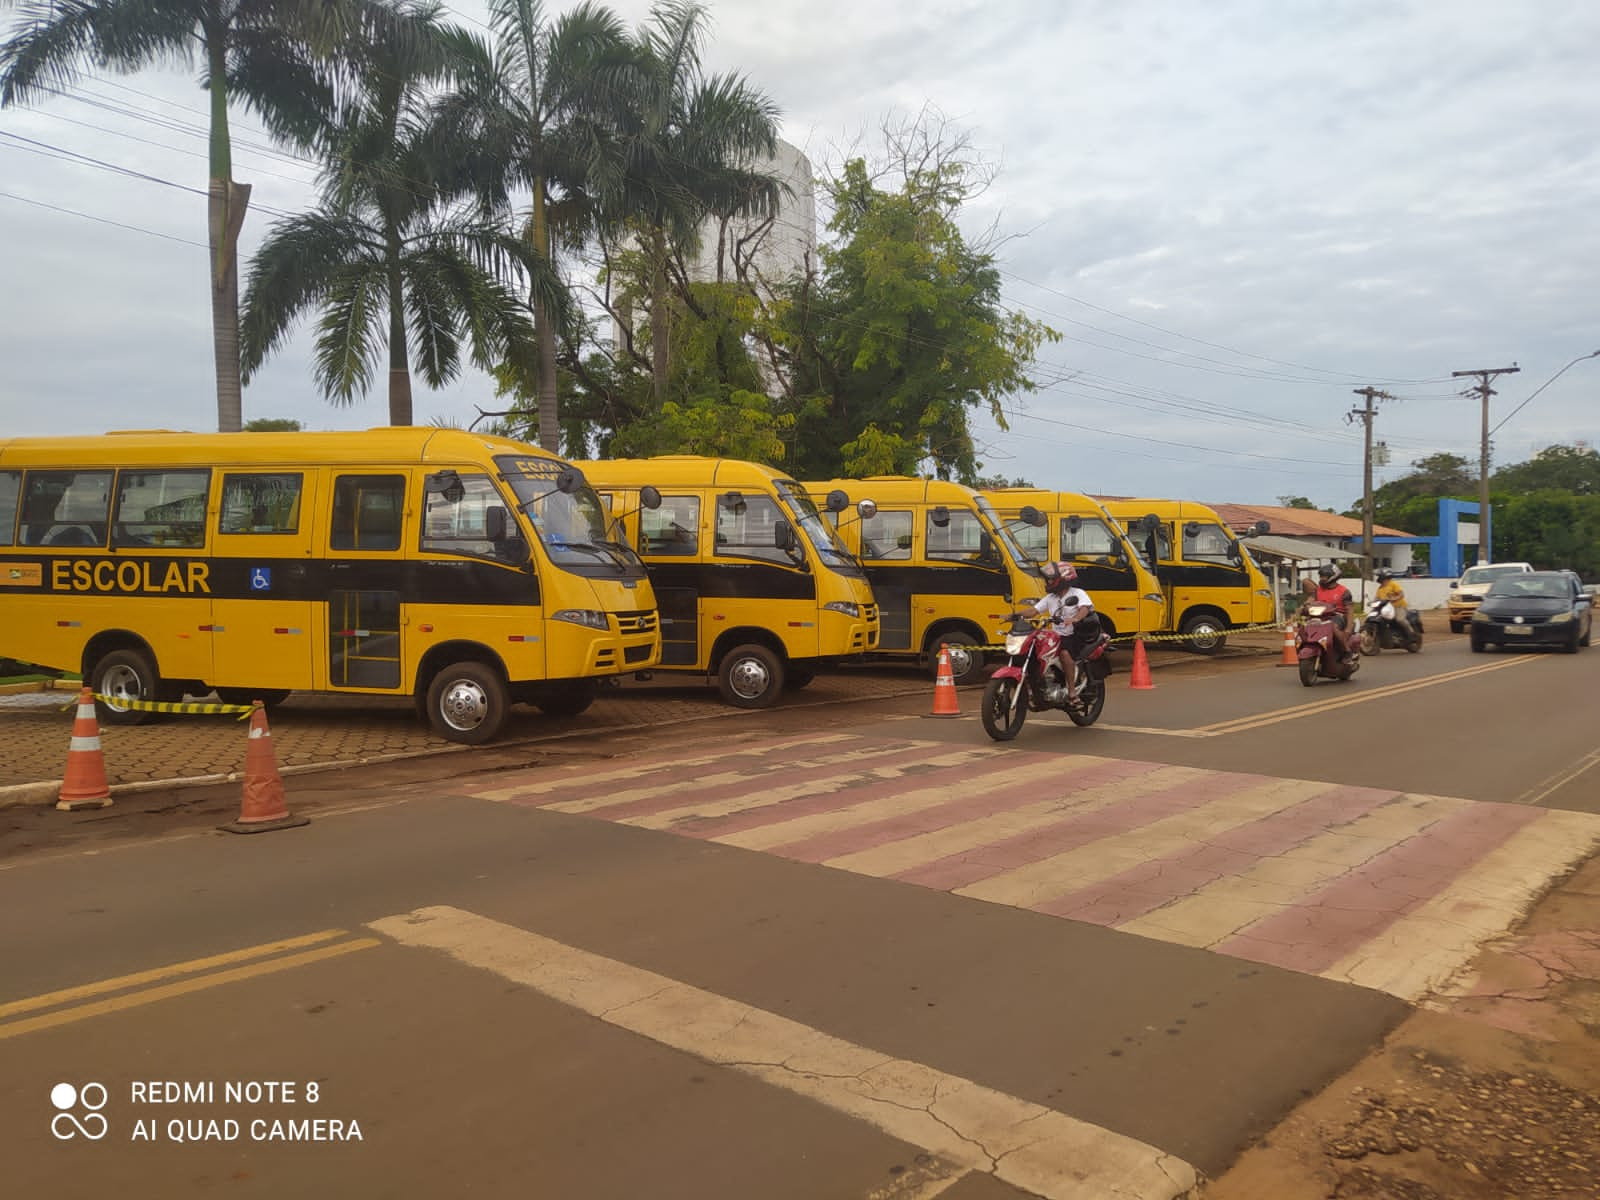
x: 1206, y: 634
x: 467, y: 703
x: 124, y: 675
x: 750, y: 676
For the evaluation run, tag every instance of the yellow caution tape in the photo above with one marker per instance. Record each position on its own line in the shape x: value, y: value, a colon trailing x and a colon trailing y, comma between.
x: 1174, y: 637
x: 167, y: 706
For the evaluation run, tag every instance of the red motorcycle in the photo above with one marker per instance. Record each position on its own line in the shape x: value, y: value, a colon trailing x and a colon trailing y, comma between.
x: 1032, y: 681
x: 1318, y: 649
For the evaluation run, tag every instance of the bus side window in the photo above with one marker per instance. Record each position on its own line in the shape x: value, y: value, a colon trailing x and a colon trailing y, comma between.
x: 266, y: 503
x: 674, y: 528
x: 161, y: 508
x: 1091, y: 539
x: 65, y: 508
x: 886, y: 536
x: 10, y: 490
x: 367, y: 512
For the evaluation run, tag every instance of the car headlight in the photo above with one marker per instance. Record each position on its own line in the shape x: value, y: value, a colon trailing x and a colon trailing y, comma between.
x: 1560, y: 617
x: 582, y: 616
x: 848, y: 607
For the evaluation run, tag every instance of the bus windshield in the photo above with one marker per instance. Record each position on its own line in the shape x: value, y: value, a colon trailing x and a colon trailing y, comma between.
x: 1002, y: 533
x: 572, y: 526
x: 818, y: 532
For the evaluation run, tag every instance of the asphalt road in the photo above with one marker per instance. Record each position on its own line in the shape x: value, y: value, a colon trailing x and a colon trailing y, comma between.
x: 810, y: 953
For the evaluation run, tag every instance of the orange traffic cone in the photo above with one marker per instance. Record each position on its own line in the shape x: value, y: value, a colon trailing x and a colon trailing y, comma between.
x: 1141, y: 668
x: 264, y: 806
x: 1290, y: 657
x: 85, y: 782
x: 944, y: 688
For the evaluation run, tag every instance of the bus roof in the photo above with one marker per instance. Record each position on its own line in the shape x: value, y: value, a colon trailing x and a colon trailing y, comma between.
x: 150, y: 448
x: 679, y: 470
x: 897, y: 489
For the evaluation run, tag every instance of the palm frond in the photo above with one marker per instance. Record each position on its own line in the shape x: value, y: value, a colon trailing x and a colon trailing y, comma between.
x: 433, y: 320
x: 294, y: 270
x: 56, y: 39
x: 355, y: 320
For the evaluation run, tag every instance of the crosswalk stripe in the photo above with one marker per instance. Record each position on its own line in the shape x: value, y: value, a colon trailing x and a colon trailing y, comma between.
x: 1039, y: 1150
x: 1201, y: 812
x: 1423, y: 949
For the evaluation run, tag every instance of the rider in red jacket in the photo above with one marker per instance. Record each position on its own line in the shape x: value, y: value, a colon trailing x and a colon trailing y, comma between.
x: 1334, y: 594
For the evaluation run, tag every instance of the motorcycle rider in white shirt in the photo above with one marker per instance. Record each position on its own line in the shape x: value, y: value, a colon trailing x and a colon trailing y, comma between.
x: 1072, y: 619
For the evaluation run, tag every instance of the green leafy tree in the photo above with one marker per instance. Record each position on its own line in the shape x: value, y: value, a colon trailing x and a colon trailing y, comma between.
x: 686, y: 149
x: 270, y: 55
x: 1295, y: 502
x: 1437, y: 475
x: 273, y: 425
x: 381, y: 258
x: 903, y: 335
x: 1574, y: 469
x: 536, y: 110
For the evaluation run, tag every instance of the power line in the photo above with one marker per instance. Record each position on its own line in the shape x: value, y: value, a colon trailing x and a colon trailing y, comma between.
x: 72, y: 212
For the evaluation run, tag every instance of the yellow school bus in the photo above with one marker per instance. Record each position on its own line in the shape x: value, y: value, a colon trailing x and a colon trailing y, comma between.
x: 1078, y: 530
x: 1210, y: 581
x: 466, y: 571
x: 943, y: 568
x: 753, y: 586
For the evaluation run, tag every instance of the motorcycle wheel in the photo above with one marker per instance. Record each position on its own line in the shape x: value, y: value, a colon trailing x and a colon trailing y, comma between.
x: 1308, y: 671
x: 1415, y: 643
x: 1369, y: 640
x: 1001, y: 720
x: 1093, y: 692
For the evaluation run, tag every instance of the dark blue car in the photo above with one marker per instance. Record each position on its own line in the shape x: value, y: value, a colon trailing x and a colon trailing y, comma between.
x: 1535, y: 608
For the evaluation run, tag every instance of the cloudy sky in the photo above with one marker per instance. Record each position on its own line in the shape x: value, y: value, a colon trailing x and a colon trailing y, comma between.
x: 1234, y: 212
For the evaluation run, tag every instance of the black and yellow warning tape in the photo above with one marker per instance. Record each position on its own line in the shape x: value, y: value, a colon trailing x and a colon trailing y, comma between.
x: 167, y: 706
x: 1125, y: 638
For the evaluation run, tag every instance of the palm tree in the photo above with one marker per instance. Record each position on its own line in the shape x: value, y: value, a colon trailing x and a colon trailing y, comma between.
x: 269, y: 54
x: 384, y: 254
x: 688, y: 148
x: 536, y: 110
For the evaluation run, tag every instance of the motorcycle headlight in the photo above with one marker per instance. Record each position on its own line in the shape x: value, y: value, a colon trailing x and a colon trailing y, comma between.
x: 848, y: 607
x: 582, y: 616
x: 1014, y: 642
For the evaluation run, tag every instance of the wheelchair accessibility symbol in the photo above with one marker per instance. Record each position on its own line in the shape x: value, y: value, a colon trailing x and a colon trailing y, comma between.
x: 260, y: 579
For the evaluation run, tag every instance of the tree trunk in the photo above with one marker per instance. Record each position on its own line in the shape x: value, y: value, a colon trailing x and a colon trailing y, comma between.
x: 659, y: 329
x: 399, y: 356
x: 226, y: 202
x: 545, y: 332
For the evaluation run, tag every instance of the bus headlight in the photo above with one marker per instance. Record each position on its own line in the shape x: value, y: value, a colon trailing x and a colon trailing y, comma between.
x: 1156, y: 597
x: 582, y: 616
x: 848, y: 607
x: 1263, y: 591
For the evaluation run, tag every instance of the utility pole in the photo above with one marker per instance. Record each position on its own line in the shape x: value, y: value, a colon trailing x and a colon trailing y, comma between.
x: 1483, y: 389
x: 1364, y: 415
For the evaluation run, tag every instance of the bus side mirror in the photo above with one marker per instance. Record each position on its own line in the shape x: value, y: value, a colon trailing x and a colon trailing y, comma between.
x: 1074, y: 523
x: 1151, y: 522
x: 940, y: 516
x: 837, y: 500
x: 783, y: 535
x: 1235, y: 554
x: 1032, y: 516
x: 569, y: 480
x: 868, y: 509
x: 986, y: 546
x: 446, y: 484
x: 1260, y: 529
x: 1190, y: 528
x: 649, y: 497
x: 494, y: 523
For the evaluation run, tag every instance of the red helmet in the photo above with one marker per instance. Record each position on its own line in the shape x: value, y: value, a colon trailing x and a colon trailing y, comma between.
x: 1058, y: 577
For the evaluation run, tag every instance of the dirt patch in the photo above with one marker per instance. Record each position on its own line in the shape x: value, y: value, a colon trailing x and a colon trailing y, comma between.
x: 1490, y: 1092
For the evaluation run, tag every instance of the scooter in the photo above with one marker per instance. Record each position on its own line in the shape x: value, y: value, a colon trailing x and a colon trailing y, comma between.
x: 1317, y: 648
x: 1031, y: 679
x: 1383, y: 630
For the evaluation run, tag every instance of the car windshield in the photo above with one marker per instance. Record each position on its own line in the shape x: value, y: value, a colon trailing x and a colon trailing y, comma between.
x: 1532, y: 586
x: 1485, y: 574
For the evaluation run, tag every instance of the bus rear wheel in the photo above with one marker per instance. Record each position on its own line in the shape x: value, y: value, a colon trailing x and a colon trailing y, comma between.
x: 467, y: 703
x: 124, y: 675
x: 1206, y: 634
x: 966, y: 657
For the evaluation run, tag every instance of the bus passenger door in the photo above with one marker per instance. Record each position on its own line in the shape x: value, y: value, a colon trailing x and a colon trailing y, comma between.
x: 264, y: 582
x: 670, y: 544
x: 366, y: 567
x: 886, y: 554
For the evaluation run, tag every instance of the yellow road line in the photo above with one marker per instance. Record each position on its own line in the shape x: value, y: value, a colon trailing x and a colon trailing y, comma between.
x: 1554, y: 783
x: 1037, y: 1149
x: 1240, y: 724
x: 121, y: 982
x: 184, y: 987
